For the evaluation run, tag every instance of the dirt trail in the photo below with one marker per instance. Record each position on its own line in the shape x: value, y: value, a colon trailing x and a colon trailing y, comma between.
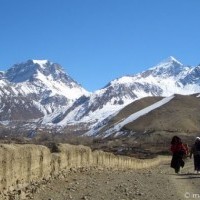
x: 187, y: 182
x: 159, y: 183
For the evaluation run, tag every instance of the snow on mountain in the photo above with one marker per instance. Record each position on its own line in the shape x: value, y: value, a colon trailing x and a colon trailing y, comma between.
x: 40, y: 62
x: 165, y: 79
x: 37, y: 75
x: 136, y: 115
x: 91, y: 109
x: 43, y: 84
x: 58, y: 100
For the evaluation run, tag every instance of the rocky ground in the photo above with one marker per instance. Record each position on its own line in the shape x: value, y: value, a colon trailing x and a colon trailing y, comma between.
x: 158, y: 183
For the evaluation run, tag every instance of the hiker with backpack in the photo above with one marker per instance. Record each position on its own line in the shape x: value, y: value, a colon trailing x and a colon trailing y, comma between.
x: 178, y: 151
x: 195, y: 151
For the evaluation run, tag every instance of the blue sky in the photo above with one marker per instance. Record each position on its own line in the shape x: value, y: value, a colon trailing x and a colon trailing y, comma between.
x: 97, y: 41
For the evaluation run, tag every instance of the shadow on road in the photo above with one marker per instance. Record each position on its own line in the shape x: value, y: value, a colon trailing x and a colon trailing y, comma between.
x: 188, y: 176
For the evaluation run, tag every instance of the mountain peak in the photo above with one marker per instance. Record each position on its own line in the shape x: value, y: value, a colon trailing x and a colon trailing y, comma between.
x: 170, y: 60
x: 34, y: 69
x: 40, y: 62
x: 28, y: 70
x: 166, y: 68
x: 48, y: 76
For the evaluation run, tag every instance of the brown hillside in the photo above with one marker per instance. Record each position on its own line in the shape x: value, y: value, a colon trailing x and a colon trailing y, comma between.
x: 130, y: 109
x: 181, y: 114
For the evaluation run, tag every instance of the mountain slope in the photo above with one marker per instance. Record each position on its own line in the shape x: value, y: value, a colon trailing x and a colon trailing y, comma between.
x: 123, y: 114
x: 40, y: 90
x: 165, y: 79
x: 179, y: 113
x: 36, y: 88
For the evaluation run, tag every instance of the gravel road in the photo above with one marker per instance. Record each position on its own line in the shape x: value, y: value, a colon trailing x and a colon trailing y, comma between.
x: 159, y: 183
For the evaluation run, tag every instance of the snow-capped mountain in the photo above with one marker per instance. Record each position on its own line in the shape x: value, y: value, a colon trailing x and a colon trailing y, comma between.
x: 165, y: 79
x: 36, y: 88
x: 41, y: 90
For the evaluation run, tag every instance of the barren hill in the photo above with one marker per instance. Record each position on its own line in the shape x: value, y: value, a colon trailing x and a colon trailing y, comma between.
x: 180, y: 114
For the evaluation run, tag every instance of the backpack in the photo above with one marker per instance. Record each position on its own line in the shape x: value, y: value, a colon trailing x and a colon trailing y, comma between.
x: 186, y: 149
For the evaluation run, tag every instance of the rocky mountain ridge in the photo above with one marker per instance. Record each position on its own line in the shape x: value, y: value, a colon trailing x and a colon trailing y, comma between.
x: 167, y: 78
x: 36, y: 88
x: 52, y: 98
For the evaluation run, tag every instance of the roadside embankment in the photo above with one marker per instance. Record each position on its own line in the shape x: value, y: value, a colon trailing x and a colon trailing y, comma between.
x: 21, y: 165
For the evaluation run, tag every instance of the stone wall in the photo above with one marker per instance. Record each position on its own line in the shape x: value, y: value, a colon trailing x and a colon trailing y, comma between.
x: 23, y: 164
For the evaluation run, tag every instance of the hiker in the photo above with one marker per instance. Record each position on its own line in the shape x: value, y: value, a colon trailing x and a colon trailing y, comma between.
x: 178, y: 151
x: 195, y: 151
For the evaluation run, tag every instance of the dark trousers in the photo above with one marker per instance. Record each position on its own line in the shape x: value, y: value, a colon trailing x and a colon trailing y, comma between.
x: 177, y: 162
x: 197, y: 162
